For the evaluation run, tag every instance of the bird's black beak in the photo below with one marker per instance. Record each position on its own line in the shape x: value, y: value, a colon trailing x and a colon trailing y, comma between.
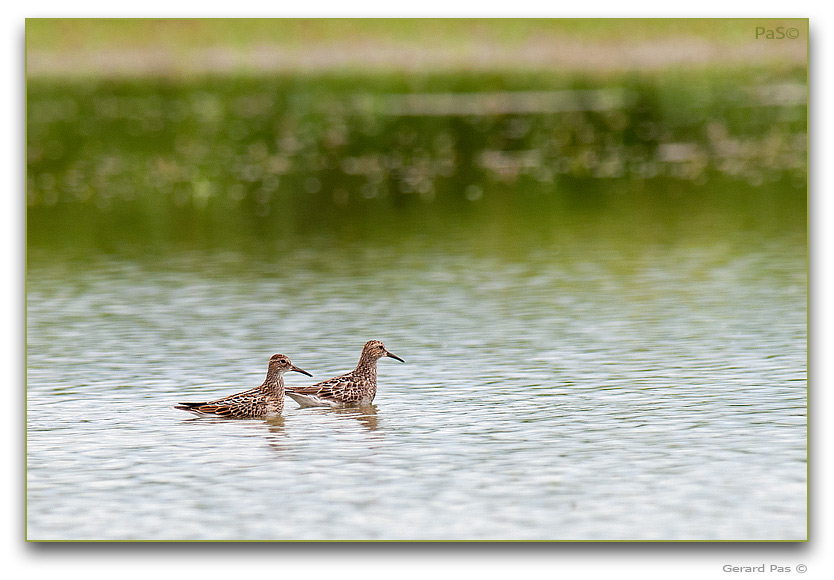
x: 302, y: 371
x: 394, y: 356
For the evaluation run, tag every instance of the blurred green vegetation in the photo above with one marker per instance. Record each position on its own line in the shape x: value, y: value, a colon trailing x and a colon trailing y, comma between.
x: 290, y: 156
x: 72, y: 33
x: 287, y: 156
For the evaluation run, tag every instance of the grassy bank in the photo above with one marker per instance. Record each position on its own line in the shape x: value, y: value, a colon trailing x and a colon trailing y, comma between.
x: 187, y: 48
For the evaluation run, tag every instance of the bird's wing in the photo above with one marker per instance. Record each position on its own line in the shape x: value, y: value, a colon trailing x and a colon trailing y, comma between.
x: 335, y: 388
x: 219, y: 410
x: 225, y: 407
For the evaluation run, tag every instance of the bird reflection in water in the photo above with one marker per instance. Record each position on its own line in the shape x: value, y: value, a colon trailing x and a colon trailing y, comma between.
x: 278, y: 439
x: 365, y: 414
x: 276, y: 435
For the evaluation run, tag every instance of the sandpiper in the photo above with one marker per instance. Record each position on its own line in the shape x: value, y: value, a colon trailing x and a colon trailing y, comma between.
x: 357, y: 387
x: 266, y: 400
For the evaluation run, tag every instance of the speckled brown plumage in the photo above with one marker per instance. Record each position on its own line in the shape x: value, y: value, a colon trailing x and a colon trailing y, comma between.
x: 264, y: 401
x: 357, y: 387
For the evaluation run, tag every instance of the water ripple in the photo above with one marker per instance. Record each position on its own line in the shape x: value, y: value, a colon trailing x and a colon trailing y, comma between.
x: 540, y: 400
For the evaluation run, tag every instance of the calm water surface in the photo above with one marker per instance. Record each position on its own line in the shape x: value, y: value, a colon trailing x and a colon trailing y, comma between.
x: 613, y: 391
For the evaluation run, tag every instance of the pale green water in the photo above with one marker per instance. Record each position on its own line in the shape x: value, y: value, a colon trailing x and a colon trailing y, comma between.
x: 596, y: 389
x: 598, y: 284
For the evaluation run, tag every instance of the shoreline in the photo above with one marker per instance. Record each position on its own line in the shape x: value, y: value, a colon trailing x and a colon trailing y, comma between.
x: 372, y: 57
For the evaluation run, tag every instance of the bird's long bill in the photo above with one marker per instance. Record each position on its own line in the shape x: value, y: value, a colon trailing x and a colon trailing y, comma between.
x: 302, y: 371
x: 393, y: 356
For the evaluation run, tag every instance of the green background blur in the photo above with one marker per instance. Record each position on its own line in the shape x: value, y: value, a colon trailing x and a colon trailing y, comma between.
x: 156, y: 134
